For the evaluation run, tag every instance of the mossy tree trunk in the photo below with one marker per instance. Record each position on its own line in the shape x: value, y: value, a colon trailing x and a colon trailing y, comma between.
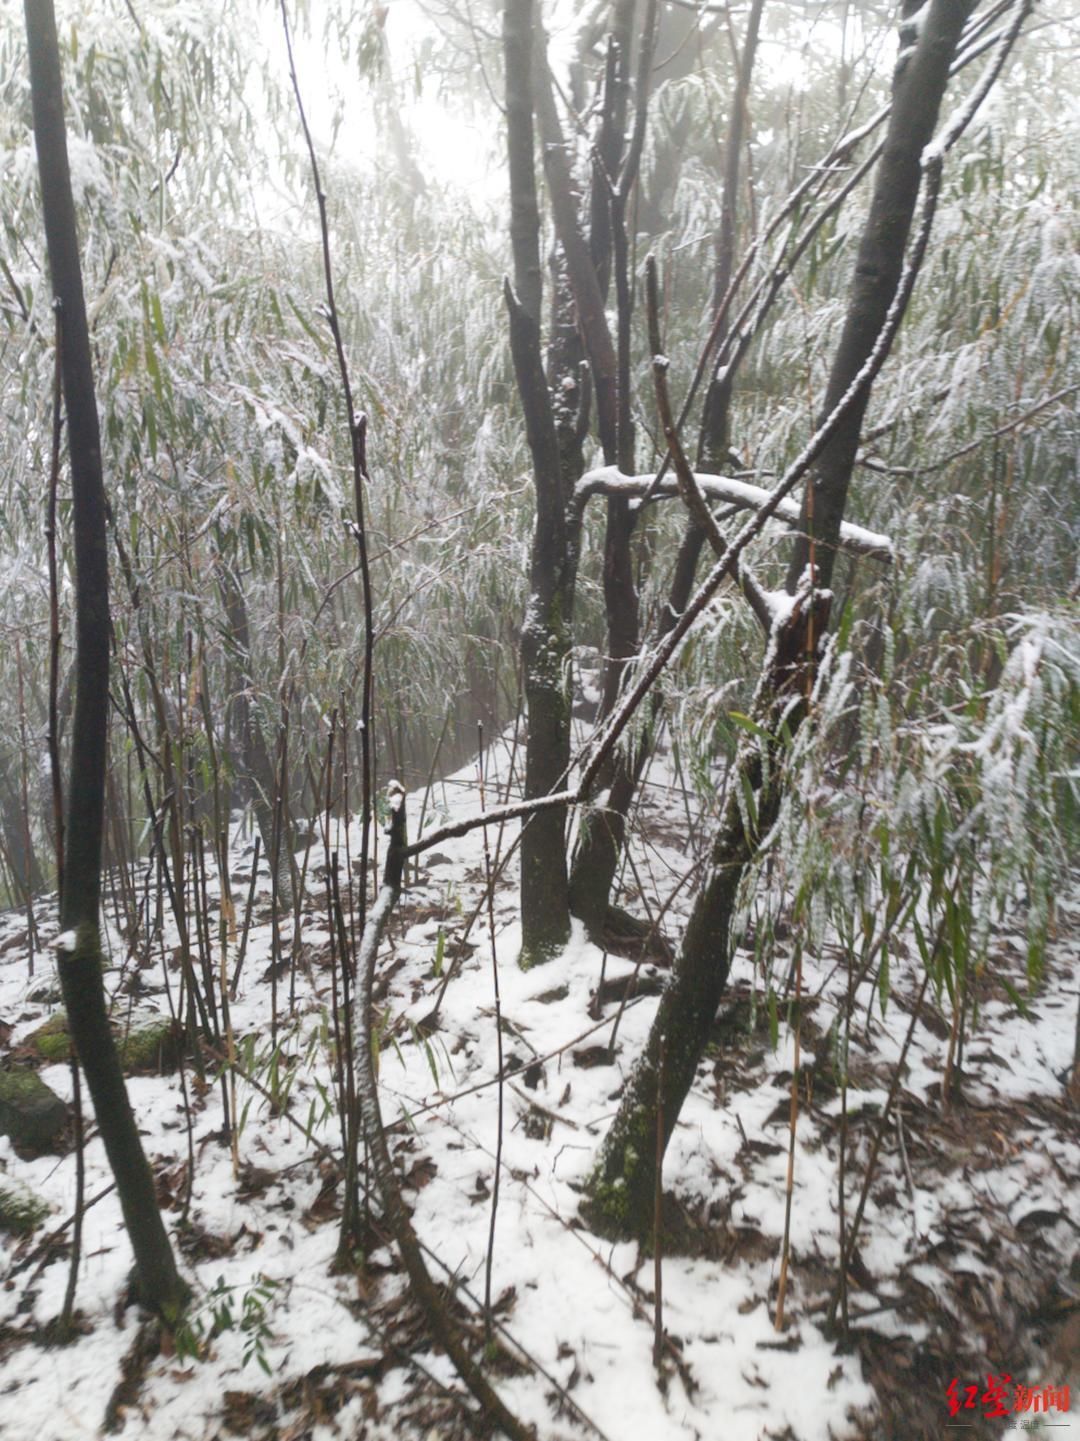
x: 622, y: 1189
x: 79, y: 952
x: 620, y: 1197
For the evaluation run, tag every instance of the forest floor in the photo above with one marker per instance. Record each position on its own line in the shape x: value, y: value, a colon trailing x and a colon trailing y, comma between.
x: 967, y: 1266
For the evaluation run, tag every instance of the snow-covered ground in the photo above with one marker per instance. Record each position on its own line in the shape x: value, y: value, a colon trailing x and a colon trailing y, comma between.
x: 967, y: 1264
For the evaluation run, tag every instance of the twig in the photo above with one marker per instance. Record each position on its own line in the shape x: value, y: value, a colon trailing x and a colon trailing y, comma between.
x: 534, y: 1105
x: 80, y: 1199
x: 853, y: 1234
x: 490, y: 889
x: 658, y: 1215
x: 785, y: 1255
x: 483, y: 1085
x: 904, y: 1158
x: 247, y: 919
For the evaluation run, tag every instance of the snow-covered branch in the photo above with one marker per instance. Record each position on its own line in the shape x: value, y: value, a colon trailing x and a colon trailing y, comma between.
x: 609, y: 480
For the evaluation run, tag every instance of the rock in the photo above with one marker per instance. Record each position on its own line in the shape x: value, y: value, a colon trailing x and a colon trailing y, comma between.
x: 21, y: 1211
x: 51, y: 1040
x: 147, y: 1042
x: 48, y: 995
x: 150, y: 1043
x: 31, y: 1113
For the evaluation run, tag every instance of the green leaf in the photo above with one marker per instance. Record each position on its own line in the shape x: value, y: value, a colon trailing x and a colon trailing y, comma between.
x: 1036, y: 954
x: 306, y: 324
x: 1016, y: 998
x: 748, y: 800
x: 751, y: 726
x: 157, y: 317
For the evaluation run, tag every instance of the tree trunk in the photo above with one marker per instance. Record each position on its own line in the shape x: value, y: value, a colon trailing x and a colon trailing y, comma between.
x: 621, y: 1191
x: 546, y: 635
x: 15, y: 826
x: 918, y: 84
x: 603, y: 830
x: 258, y: 774
x: 79, y: 950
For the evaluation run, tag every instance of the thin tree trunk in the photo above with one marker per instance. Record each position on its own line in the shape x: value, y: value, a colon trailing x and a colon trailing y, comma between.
x: 259, y: 774
x: 79, y: 948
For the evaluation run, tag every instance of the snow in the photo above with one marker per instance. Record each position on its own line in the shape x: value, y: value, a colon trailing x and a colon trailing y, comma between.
x: 609, y: 480
x: 580, y: 1308
x: 781, y: 603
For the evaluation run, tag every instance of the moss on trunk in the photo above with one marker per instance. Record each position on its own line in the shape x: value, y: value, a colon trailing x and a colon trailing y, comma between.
x: 621, y: 1191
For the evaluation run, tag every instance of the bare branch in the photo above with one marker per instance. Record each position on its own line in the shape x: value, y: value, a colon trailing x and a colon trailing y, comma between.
x: 689, y: 489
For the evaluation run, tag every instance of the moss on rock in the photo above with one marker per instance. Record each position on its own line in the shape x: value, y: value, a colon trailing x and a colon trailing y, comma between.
x: 52, y: 1040
x: 21, y: 1211
x: 150, y: 1044
x: 31, y: 1113
x: 146, y: 1042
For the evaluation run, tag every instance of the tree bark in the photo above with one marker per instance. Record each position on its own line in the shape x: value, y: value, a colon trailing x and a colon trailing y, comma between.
x: 79, y: 950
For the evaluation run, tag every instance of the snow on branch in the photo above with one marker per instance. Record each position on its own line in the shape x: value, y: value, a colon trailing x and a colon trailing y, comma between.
x: 609, y: 480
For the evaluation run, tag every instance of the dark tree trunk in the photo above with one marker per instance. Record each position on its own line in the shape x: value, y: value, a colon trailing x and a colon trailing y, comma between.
x: 546, y: 633
x: 603, y: 832
x: 587, y: 268
x: 257, y: 773
x: 622, y: 1189
x: 918, y: 85
x: 620, y: 1196
x: 79, y: 950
